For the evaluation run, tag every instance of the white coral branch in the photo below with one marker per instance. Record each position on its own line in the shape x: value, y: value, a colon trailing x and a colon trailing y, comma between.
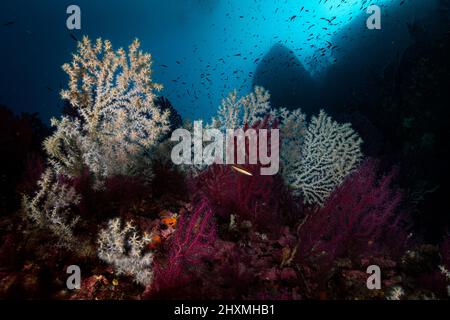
x: 118, y: 122
x: 330, y: 152
x: 50, y: 209
x: 292, y: 129
x: 235, y: 112
x: 124, y: 249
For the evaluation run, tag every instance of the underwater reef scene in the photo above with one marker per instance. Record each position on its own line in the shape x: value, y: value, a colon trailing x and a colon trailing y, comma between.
x: 362, y: 179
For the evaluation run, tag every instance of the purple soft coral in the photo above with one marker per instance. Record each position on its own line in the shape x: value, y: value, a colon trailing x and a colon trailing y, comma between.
x: 192, y: 241
x: 261, y: 199
x: 361, y: 218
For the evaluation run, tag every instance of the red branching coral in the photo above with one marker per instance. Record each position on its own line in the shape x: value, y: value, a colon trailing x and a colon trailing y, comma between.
x: 261, y: 199
x: 257, y: 198
x: 361, y: 218
x: 191, y: 243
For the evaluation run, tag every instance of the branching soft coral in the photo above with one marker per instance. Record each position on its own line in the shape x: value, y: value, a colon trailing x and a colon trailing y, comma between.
x: 292, y: 130
x: 123, y: 248
x: 261, y: 199
x: 50, y: 209
x: 192, y: 241
x: 315, y: 158
x: 329, y: 153
x: 117, y: 121
x: 360, y: 218
x: 103, y: 78
x: 235, y: 112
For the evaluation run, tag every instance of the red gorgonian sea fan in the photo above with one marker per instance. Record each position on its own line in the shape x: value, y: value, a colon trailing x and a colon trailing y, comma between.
x: 191, y: 243
x: 261, y: 199
x: 361, y: 218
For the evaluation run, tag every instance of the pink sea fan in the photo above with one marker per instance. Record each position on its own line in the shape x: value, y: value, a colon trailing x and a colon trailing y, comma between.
x: 262, y: 199
x: 259, y: 199
x: 361, y: 218
x: 191, y: 243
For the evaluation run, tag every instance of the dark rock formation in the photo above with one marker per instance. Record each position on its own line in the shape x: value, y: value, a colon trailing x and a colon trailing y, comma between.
x: 290, y: 85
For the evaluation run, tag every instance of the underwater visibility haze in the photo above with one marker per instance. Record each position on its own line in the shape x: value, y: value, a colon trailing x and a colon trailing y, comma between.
x: 350, y: 97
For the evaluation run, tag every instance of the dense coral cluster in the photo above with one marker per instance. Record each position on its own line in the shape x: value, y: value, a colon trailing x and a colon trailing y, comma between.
x: 117, y: 120
x: 330, y: 152
x: 123, y: 248
x: 361, y: 218
x: 50, y: 208
x: 192, y: 241
x: 235, y: 112
x: 316, y: 156
x: 308, y: 232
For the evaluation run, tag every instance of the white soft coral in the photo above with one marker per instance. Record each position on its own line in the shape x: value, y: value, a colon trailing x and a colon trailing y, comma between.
x: 124, y: 249
x: 117, y: 122
x: 235, y: 112
x: 329, y: 153
x: 50, y: 209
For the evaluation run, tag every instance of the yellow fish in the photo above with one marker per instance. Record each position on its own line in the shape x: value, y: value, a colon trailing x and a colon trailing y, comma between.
x: 241, y: 170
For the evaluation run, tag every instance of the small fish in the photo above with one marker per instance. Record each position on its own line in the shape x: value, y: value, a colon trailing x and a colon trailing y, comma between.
x: 242, y: 171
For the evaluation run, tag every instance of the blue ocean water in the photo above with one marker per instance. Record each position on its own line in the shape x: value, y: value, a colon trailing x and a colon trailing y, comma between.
x: 202, y: 49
